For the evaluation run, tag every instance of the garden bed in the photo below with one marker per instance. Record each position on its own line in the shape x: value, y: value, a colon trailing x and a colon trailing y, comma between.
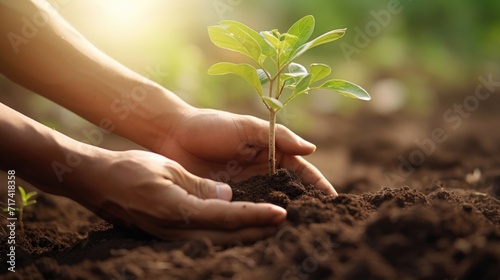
x: 438, y: 219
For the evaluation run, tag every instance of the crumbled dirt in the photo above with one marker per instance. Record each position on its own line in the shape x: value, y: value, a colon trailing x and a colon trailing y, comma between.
x: 439, y: 221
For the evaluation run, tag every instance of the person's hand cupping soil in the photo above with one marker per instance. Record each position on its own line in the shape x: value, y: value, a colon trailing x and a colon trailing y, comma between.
x: 224, y: 146
x: 173, y: 200
x: 151, y: 192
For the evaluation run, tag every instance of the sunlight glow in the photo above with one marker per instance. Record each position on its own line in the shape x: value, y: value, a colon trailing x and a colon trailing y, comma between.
x: 139, y: 34
x: 124, y: 15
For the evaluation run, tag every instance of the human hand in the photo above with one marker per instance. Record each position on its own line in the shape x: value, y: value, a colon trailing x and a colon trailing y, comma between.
x: 157, y: 195
x: 224, y: 146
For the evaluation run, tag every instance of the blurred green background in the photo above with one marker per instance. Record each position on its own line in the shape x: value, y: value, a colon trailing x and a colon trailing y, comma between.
x: 412, y: 56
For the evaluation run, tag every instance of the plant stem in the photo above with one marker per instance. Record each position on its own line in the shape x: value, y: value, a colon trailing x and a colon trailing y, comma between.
x: 272, y: 143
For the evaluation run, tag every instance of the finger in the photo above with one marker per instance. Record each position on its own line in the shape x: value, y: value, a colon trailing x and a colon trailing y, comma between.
x: 187, y: 213
x: 291, y: 143
x: 214, y: 213
x: 218, y: 237
x: 205, y: 189
x: 185, y: 231
x: 308, y: 173
x: 197, y: 186
x: 184, y: 211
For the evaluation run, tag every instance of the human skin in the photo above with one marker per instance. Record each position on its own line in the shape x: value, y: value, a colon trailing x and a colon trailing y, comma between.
x: 167, y: 191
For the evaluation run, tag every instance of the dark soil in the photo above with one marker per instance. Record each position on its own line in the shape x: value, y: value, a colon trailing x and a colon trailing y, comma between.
x: 437, y: 219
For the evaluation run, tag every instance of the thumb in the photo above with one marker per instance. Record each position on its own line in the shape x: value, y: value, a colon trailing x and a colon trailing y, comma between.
x: 205, y: 188
x: 292, y: 144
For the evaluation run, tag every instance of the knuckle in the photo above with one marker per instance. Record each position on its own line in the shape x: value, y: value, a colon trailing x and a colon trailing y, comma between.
x: 206, y: 190
x: 231, y: 221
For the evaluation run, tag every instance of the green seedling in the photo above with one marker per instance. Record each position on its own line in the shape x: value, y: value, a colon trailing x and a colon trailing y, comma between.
x: 275, y: 53
x: 26, y: 200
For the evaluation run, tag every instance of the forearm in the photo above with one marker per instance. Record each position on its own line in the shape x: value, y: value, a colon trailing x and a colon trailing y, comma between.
x: 40, y: 155
x: 60, y: 64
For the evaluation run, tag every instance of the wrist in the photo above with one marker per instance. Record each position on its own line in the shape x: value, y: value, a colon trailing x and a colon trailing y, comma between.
x: 84, y: 179
x: 164, y: 113
x: 163, y: 126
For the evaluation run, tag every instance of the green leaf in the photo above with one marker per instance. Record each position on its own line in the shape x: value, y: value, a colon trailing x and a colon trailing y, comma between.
x: 246, y: 71
x: 23, y: 194
x: 30, y: 195
x: 30, y: 202
x: 296, y: 71
x: 273, y: 103
x: 235, y: 39
x: 303, y: 84
x: 323, y: 39
x: 288, y: 79
x: 296, y: 68
x: 302, y: 29
x: 287, y: 41
x: 346, y: 88
x: 263, y: 78
x: 319, y: 71
x: 271, y: 40
x: 328, y: 37
x: 266, y: 49
x: 287, y: 48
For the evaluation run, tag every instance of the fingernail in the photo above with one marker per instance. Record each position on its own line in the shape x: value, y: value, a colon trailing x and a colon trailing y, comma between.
x: 223, y: 191
x: 280, y: 217
x: 307, y: 143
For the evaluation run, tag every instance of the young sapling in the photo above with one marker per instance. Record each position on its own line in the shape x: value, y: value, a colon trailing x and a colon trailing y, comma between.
x: 26, y: 200
x: 275, y: 53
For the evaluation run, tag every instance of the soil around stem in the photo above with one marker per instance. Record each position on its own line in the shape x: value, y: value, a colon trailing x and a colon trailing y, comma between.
x: 441, y: 221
